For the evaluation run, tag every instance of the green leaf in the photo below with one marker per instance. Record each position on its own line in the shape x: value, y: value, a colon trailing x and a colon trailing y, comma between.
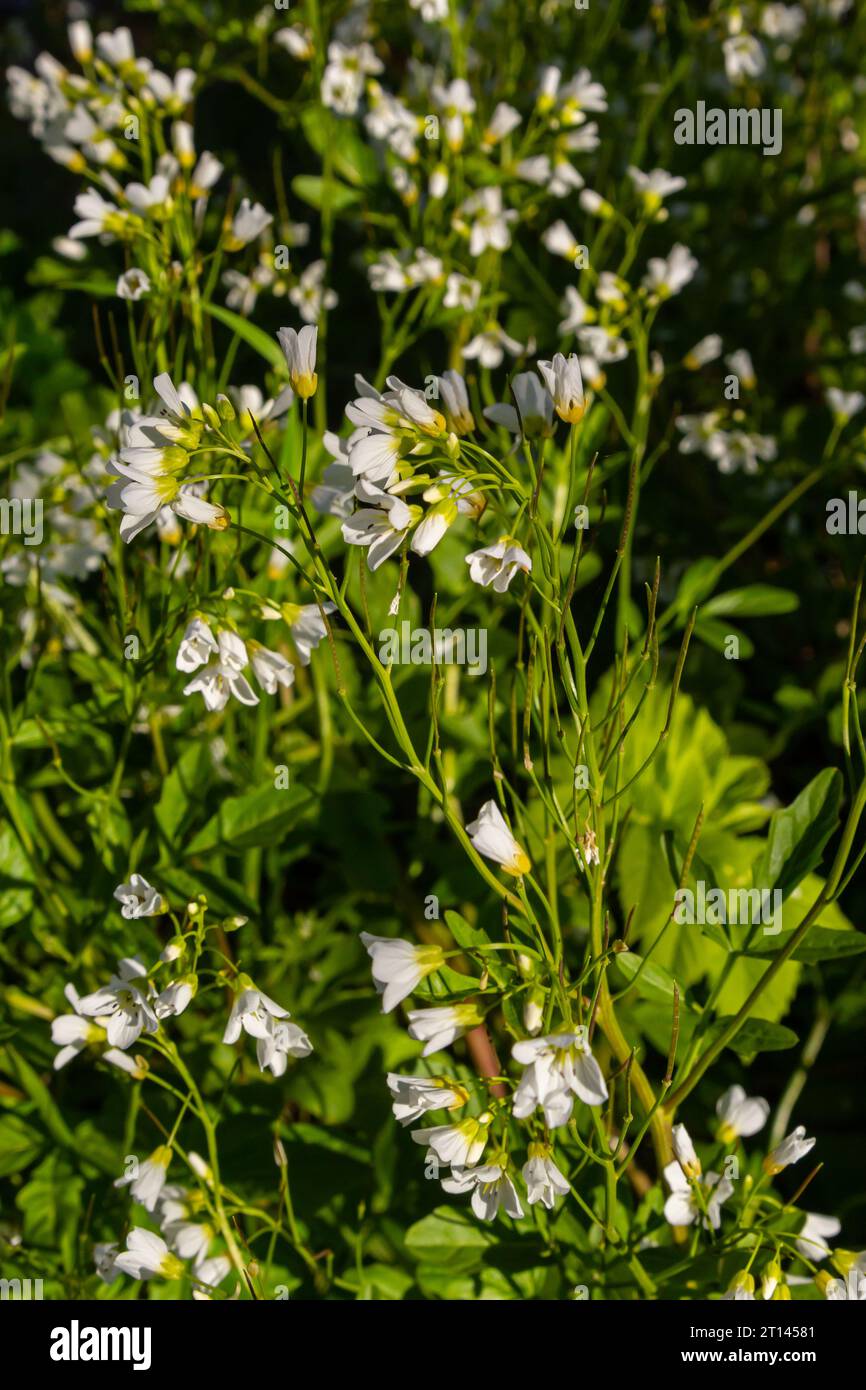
x: 466, y: 935
x: 183, y: 789
x: 755, y: 601
x: 822, y: 943
x: 20, y: 1144
x: 716, y: 634
x: 262, y: 343
x: 694, y: 584
x: 261, y: 817
x: 40, y: 1095
x: 798, y: 834
x: 449, y: 1237
x: 654, y: 982
x: 754, y: 1035
x: 351, y: 157
x: 311, y: 189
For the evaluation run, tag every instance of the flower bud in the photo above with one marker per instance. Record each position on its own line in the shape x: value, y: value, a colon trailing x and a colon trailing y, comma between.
x: 684, y: 1150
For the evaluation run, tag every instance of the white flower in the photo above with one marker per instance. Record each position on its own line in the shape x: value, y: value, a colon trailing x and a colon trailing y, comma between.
x: 792, y: 1148
x: 592, y: 372
x: 432, y: 528
x: 253, y: 1012
x: 684, y: 1151
x: 415, y: 1095
x: 224, y: 677
x: 342, y: 84
x: 488, y: 221
x: 666, y: 277
x: 852, y: 1289
x: 190, y: 1239
x: 176, y: 997
x: 438, y: 1028
x: 116, y: 47
x: 560, y: 240
x: 431, y: 10
x: 707, y: 350
x: 335, y: 493
x: 147, y: 1180
x: 576, y: 310
x: 490, y: 346
x: 80, y: 40
x: 399, y: 966
x: 744, y: 57
x: 69, y: 249
x: 197, y: 646
x: 697, y: 431
x: 104, y: 1259
x: 533, y: 415
x: 602, y: 343
x: 300, y: 354
x: 205, y: 174
x: 282, y: 1040
x: 579, y: 95
x: 211, y: 1272
x: 310, y: 295
x: 73, y: 1032
x: 382, y: 532
x: 147, y: 1254
x: 270, y: 668
x: 456, y: 102
x: 682, y: 1207
x: 558, y: 1067
x: 844, y: 404
x: 141, y: 496
x: 783, y: 21
x: 655, y: 186
x: 248, y: 223
x: 537, y: 169
x: 811, y: 1241
x: 97, y: 217
x: 856, y: 337
x: 437, y: 184
x: 736, y: 449
x: 741, y: 1288
x: 124, y: 1063
x: 740, y: 363
x: 307, y: 625
x: 505, y: 118
x: 460, y: 1144
x: 123, y: 1006
x: 461, y: 292
x: 133, y: 284
x: 564, y: 382
x: 491, y: 1188
x: 543, y: 1179
x: 491, y: 837
x: 152, y: 198
x: 455, y: 402
x: 497, y: 564
x: 594, y: 204
x: 138, y: 898
x: 297, y: 40
x: 739, y: 1115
